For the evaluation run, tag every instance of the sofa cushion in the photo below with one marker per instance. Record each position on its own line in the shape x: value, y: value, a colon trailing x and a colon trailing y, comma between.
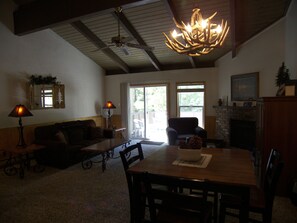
x: 75, y: 135
x: 45, y: 132
x: 95, y: 132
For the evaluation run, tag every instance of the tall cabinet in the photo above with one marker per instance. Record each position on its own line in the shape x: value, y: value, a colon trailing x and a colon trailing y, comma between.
x: 277, y: 128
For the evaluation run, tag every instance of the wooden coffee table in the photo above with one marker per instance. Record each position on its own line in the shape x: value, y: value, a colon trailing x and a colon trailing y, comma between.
x: 105, y: 149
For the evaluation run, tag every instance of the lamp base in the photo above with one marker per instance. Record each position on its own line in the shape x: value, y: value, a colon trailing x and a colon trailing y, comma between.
x: 21, y: 142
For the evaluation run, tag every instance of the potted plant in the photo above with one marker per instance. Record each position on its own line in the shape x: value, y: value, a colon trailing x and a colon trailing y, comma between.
x: 191, y: 150
x: 39, y: 80
x: 282, y: 77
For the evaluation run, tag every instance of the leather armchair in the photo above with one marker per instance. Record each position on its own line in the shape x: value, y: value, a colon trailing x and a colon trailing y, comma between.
x: 182, y: 128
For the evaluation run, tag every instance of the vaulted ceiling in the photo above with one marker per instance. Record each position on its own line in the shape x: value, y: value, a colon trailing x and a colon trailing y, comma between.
x: 89, y: 26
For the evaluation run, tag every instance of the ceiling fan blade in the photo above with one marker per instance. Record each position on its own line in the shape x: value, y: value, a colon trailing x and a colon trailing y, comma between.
x: 126, y: 39
x: 139, y: 46
x: 102, y: 48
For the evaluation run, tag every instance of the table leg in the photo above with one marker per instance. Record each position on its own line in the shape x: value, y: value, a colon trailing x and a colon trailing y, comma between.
x: 103, y: 161
x: 21, y: 170
x: 86, y: 163
x: 9, y: 168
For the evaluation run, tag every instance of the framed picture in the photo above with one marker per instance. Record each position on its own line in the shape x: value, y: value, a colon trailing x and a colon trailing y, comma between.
x: 245, y: 87
x: 291, y: 88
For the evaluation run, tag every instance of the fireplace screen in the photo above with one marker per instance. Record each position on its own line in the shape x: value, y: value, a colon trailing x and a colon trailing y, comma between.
x: 243, y: 134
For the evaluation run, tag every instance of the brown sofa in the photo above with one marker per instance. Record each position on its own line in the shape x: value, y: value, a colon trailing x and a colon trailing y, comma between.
x: 63, y: 141
x: 182, y: 128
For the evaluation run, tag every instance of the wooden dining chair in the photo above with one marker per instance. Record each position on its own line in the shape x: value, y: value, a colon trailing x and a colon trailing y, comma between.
x: 261, y: 199
x: 171, y: 206
x: 129, y: 156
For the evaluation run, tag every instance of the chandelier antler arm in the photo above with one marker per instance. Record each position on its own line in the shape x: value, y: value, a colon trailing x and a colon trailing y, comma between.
x: 199, y: 37
x: 176, y: 45
x: 225, y: 32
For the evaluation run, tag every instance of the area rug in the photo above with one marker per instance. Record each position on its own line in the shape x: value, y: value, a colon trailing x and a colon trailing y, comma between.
x: 148, y: 142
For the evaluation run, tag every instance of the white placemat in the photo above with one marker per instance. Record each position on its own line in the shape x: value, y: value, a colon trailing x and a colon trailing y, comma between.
x: 202, y: 163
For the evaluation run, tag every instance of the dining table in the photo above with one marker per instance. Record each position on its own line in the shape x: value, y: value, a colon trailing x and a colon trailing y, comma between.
x: 228, y: 170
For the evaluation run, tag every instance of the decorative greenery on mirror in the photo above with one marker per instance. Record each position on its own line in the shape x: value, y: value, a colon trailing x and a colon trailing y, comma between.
x: 46, y: 92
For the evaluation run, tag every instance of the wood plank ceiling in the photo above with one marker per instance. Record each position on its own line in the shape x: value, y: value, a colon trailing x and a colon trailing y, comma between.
x: 89, y: 26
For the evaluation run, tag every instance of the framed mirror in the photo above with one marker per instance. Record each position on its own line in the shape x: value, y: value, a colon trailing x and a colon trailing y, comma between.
x: 46, y: 96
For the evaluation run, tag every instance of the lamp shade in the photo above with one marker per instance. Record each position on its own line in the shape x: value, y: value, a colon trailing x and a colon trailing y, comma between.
x: 20, y: 111
x: 109, y: 105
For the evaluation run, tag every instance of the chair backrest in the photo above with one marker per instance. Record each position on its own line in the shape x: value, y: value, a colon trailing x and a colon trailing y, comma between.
x: 163, y: 197
x: 129, y: 156
x: 273, y: 171
x: 183, y: 125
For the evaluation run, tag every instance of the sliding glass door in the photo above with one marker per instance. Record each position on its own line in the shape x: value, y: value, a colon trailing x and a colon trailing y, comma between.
x: 148, y: 112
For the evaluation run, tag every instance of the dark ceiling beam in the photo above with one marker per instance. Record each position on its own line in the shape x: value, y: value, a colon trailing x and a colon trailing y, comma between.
x: 175, y: 66
x: 233, y: 27
x: 132, y: 32
x: 173, y: 14
x: 237, y: 14
x: 84, y: 30
x: 42, y: 14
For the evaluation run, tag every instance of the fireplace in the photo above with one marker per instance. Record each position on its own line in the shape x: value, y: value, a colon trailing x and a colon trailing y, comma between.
x: 224, y: 114
x: 243, y: 134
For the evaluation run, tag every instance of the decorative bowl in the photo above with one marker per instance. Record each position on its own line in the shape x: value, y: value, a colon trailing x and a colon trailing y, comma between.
x: 188, y: 154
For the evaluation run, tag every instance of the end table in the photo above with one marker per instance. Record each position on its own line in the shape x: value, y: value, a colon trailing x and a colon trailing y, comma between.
x: 19, y: 159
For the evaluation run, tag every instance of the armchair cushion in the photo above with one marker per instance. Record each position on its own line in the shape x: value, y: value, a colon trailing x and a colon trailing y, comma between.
x: 182, y: 128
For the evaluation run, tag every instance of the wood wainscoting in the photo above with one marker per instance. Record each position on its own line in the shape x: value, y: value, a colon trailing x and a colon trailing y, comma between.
x: 210, y: 126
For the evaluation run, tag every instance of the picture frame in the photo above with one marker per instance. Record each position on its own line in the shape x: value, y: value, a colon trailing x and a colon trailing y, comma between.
x: 245, y: 87
x: 291, y: 88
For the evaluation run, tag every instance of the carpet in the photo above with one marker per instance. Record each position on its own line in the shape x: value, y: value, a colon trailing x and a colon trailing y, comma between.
x: 148, y: 142
x: 77, y: 196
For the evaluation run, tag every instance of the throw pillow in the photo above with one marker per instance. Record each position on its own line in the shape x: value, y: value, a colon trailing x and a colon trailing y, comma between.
x: 61, y: 137
x: 96, y: 132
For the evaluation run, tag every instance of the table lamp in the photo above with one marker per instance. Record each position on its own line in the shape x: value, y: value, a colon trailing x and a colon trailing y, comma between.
x: 20, y: 111
x: 109, y: 105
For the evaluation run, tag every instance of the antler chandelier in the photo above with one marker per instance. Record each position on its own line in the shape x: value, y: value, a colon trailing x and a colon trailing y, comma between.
x: 198, y: 38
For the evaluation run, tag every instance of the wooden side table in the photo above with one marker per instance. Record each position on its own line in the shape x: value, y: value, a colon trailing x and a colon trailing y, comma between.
x: 19, y: 159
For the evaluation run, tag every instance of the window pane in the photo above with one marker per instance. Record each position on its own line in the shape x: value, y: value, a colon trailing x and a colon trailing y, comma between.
x: 189, y: 86
x: 191, y: 98
x: 190, y: 111
x: 46, y: 98
x: 190, y: 101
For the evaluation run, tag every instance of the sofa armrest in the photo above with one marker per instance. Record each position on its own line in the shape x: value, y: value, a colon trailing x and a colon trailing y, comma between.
x: 201, y: 133
x: 172, y: 135
x: 108, y: 133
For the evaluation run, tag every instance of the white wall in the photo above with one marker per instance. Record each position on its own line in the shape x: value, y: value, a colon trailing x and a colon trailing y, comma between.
x: 45, y: 53
x: 209, y: 75
x: 291, y: 40
x: 264, y: 54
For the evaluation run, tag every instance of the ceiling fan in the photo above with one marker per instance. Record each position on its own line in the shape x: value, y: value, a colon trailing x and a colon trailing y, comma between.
x: 123, y: 42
